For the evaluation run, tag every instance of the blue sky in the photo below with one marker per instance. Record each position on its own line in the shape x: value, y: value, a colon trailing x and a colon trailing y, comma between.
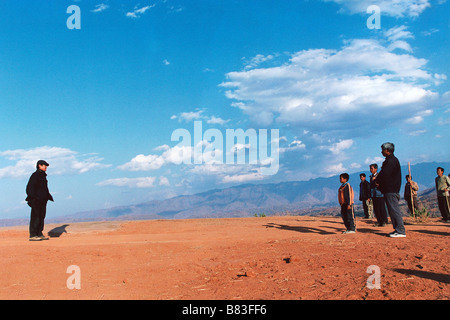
x: 100, y: 103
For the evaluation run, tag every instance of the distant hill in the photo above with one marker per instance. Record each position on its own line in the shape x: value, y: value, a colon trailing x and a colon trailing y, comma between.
x: 314, y: 197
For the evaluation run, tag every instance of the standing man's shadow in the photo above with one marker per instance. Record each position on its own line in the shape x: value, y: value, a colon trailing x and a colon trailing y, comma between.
x: 58, y: 231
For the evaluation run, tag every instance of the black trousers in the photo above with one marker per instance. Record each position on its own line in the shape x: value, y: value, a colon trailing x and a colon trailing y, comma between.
x: 443, y: 207
x: 365, y: 208
x: 347, y: 217
x: 379, y: 209
x: 38, y: 212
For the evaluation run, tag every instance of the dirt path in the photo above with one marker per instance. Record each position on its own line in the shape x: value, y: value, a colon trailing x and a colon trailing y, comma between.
x: 243, y: 258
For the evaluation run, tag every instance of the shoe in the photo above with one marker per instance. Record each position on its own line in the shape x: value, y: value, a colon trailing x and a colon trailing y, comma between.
x: 42, y: 237
x: 35, y: 238
x: 348, y: 231
x: 397, y: 235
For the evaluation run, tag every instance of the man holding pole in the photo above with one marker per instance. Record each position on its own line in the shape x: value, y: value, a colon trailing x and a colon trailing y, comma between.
x: 410, y: 195
x: 442, y: 190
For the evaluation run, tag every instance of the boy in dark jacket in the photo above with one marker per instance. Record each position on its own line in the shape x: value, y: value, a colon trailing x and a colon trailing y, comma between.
x: 346, y: 198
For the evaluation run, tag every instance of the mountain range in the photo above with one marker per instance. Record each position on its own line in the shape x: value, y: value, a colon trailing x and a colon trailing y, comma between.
x: 250, y: 199
x: 314, y: 197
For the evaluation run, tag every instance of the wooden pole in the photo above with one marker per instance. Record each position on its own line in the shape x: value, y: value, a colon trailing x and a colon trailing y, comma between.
x: 411, y: 190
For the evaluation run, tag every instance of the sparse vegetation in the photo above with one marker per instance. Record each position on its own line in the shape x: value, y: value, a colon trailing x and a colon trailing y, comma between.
x: 421, y: 215
x: 261, y: 215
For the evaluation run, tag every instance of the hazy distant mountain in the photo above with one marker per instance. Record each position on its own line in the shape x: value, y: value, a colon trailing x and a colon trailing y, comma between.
x: 300, y: 197
x: 313, y: 197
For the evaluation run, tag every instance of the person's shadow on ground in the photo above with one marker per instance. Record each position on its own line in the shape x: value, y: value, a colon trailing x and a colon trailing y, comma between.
x: 58, y: 231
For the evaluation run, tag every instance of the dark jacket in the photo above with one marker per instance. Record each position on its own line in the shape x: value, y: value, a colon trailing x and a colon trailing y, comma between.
x: 364, y: 191
x: 390, y: 177
x: 37, y: 188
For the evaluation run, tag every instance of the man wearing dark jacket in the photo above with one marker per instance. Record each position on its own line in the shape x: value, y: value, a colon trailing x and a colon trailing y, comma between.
x: 389, y: 182
x: 364, y: 194
x: 37, y: 197
x: 379, y: 206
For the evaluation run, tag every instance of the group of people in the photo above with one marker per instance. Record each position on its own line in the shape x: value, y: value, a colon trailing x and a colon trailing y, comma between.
x: 383, y: 191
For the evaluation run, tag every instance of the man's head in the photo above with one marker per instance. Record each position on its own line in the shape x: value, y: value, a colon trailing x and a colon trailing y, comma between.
x: 344, y: 177
x: 42, y: 165
x: 373, y: 168
x: 362, y: 176
x: 387, y: 149
x: 408, y: 178
x: 440, y: 171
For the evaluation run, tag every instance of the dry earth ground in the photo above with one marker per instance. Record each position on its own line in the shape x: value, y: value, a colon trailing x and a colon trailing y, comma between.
x: 271, y: 258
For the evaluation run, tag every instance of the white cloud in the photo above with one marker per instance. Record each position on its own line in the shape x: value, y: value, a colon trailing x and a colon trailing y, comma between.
x: 376, y: 160
x: 428, y: 33
x: 417, y: 132
x: 175, y: 155
x: 143, y: 163
x: 217, y: 120
x: 322, y: 90
x: 190, y: 116
x: 199, y: 114
x: 340, y: 146
x: 137, y: 12
x: 100, y: 7
x: 163, y: 147
x: 241, y: 178
x: 143, y: 182
x: 414, y: 120
x: 396, y: 8
x: 226, y: 173
x: 163, y: 181
x: 398, y: 33
x: 257, y: 60
x: 62, y: 161
x: 295, y: 145
x: 335, y: 169
x: 355, y: 165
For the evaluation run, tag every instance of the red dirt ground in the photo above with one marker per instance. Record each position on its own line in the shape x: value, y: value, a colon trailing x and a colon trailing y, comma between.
x: 276, y: 258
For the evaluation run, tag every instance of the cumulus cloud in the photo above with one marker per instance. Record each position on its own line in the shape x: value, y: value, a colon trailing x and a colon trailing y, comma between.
x: 340, y: 146
x: 397, y: 8
x: 322, y: 90
x: 213, y: 166
x: 62, y: 161
x: 335, y: 169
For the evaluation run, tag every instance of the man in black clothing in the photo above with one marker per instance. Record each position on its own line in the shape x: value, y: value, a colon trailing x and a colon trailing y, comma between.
x: 37, y: 197
x: 379, y: 206
x: 364, y: 194
x: 389, y: 181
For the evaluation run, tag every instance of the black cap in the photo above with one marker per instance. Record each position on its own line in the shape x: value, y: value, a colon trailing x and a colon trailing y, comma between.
x: 41, y: 162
